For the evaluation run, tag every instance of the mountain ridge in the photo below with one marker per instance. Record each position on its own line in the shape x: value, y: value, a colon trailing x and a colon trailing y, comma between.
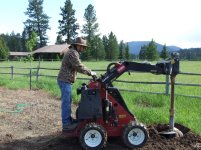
x: 135, y: 46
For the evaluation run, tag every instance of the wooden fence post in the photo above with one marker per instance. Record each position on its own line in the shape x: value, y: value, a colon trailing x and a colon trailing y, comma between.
x: 12, y: 72
x: 30, y: 75
x: 167, y: 85
x: 37, y: 73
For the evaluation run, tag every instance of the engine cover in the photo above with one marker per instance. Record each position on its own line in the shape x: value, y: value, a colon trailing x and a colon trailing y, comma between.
x: 90, y: 106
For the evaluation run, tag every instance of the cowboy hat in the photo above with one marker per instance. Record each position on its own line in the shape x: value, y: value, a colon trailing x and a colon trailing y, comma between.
x: 80, y: 41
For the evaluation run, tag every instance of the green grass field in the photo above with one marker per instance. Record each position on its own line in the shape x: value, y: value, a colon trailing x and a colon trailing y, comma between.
x: 149, y: 108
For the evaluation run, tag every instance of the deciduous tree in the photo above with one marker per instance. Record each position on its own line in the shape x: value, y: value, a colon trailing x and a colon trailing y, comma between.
x: 59, y: 39
x: 31, y: 42
x: 3, y: 49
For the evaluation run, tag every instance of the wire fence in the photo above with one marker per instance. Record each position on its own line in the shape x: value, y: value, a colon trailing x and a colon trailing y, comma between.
x: 37, y: 74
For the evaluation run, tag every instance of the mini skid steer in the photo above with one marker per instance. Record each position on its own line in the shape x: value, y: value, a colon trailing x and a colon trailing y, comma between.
x: 102, y: 111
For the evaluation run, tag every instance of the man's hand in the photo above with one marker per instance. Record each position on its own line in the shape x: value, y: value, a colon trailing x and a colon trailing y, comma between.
x: 93, y: 73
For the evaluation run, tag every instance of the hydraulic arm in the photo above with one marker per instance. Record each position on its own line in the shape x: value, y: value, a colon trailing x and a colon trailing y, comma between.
x: 167, y: 67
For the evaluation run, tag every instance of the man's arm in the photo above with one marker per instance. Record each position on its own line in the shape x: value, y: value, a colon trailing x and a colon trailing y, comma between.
x: 76, y: 63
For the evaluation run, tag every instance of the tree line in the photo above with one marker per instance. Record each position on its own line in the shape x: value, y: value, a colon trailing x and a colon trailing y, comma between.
x: 34, y: 34
x: 190, y: 54
x: 104, y: 47
x: 150, y: 52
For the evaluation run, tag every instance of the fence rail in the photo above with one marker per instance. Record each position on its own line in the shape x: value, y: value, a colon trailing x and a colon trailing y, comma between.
x: 166, y: 83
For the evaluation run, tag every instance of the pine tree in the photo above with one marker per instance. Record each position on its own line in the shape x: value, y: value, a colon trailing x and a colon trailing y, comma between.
x: 121, y: 50
x: 13, y: 41
x: 99, y: 51
x: 112, y: 47
x: 90, y: 29
x: 127, y: 54
x: 142, y: 54
x: 164, y: 53
x: 68, y: 26
x: 37, y: 21
x: 105, y: 44
x: 25, y: 36
x: 152, y: 53
x: 16, y: 42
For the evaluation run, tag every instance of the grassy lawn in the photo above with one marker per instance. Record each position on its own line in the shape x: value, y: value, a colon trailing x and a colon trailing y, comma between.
x: 149, y: 108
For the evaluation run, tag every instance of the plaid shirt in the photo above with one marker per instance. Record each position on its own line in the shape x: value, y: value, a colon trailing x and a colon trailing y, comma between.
x: 71, y: 64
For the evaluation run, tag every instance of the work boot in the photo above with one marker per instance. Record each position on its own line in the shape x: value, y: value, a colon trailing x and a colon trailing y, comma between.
x: 69, y: 127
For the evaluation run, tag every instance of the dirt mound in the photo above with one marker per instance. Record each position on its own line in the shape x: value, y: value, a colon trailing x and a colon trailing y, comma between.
x: 57, y: 142
x: 30, y: 120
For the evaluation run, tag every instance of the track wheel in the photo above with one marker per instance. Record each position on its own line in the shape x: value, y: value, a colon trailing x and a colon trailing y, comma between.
x: 134, y: 135
x: 93, y: 136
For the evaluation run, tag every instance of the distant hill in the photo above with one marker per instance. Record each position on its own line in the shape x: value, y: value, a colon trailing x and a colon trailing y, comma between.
x: 135, y: 46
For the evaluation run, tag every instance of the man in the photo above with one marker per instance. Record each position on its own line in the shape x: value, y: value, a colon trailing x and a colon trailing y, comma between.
x: 71, y: 64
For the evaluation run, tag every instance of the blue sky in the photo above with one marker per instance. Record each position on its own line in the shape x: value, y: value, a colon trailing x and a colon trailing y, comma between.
x: 170, y: 22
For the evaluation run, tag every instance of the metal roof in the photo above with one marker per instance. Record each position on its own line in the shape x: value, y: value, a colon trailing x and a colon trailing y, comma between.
x: 52, y: 49
x: 61, y: 49
x: 19, y: 53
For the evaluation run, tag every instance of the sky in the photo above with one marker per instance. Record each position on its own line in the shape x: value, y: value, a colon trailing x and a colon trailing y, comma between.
x: 170, y: 22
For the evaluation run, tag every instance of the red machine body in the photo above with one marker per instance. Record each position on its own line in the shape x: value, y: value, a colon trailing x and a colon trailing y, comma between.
x: 124, y: 116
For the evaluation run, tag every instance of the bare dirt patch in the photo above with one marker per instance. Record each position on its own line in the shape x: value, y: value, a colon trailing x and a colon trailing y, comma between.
x: 30, y: 120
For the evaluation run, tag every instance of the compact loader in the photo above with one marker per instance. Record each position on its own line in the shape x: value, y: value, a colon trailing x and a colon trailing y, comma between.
x: 102, y: 111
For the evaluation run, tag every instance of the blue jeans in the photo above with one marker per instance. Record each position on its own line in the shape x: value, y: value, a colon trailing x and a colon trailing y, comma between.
x: 66, y: 100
